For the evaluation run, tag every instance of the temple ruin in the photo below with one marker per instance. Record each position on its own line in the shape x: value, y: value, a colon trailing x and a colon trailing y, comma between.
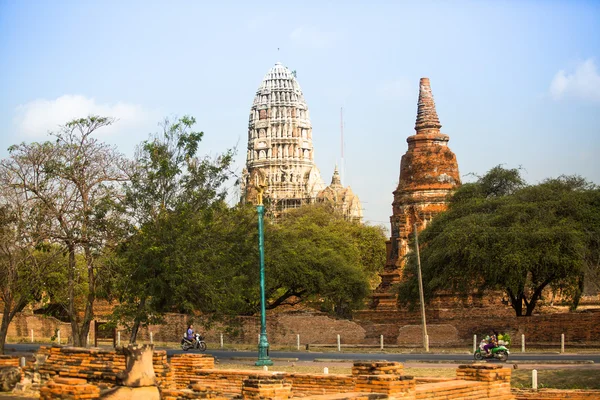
x: 428, y: 174
x: 280, y: 152
x: 342, y: 198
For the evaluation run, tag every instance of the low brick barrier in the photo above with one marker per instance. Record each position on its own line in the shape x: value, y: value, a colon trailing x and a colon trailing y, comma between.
x: 73, y: 372
x: 186, y: 367
x: 274, y: 387
x: 69, y: 388
x: 193, y: 392
x: 451, y: 390
x: 391, y: 385
x: 162, y: 369
x: 377, y: 378
x: 98, y: 366
x: 95, y: 365
x: 9, y: 361
x: 320, y: 384
x: 377, y: 368
x: 229, y: 382
x: 495, y: 378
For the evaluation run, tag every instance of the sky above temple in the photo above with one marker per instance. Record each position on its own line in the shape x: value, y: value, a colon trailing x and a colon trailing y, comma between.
x: 515, y: 82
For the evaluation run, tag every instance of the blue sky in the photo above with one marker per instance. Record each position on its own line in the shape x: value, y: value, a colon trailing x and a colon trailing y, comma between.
x: 515, y: 82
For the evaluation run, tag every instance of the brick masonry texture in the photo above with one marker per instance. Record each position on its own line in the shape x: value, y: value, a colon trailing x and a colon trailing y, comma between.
x: 69, y: 388
x: 98, y: 366
x: 72, y: 373
x: 428, y: 175
x: 9, y: 361
x: 446, y: 326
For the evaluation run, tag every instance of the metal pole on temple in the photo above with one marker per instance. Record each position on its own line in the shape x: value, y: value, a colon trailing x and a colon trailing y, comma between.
x: 421, y: 296
x: 263, y: 344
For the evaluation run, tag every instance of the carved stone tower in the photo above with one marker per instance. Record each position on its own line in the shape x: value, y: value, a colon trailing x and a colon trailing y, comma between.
x: 428, y: 174
x: 280, y: 150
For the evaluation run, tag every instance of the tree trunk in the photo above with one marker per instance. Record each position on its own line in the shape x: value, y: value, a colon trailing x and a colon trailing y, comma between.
x: 536, y: 296
x: 516, y: 302
x: 6, y: 317
x: 578, y: 293
x: 136, y: 321
x: 73, y: 317
x: 88, y: 314
x: 11, y: 308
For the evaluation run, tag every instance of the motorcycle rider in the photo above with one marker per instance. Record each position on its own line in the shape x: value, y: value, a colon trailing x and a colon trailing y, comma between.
x: 492, y: 342
x: 190, y: 333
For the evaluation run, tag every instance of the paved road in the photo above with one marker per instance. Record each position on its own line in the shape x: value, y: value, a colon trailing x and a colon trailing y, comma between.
x: 432, y: 357
x: 311, y: 356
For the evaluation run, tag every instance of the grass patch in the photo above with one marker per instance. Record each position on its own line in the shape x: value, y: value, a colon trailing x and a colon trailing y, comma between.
x: 558, y: 379
x: 303, y: 369
x: 335, y: 369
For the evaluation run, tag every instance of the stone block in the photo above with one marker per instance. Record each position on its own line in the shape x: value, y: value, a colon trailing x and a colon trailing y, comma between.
x: 9, y: 377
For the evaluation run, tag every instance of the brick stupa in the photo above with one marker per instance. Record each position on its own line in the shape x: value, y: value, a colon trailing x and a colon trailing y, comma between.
x: 428, y: 174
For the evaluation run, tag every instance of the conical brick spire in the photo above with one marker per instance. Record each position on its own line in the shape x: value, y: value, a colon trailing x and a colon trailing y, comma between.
x: 428, y: 174
x: 427, y: 117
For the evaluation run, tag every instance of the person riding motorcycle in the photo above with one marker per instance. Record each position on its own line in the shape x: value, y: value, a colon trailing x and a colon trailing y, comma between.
x: 492, y: 342
x: 190, y: 333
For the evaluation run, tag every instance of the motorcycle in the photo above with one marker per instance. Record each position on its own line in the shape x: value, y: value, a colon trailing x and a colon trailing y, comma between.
x: 197, y: 344
x: 499, y: 352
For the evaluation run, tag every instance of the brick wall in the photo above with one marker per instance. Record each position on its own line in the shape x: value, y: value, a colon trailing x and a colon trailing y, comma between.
x: 194, y: 374
x: 43, y: 327
x: 456, y: 327
x: 473, y: 381
x: 97, y: 366
x: 229, y: 382
x: 9, y: 361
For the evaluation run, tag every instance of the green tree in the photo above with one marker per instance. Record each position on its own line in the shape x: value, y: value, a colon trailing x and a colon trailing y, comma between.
x: 314, y: 254
x: 172, y: 191
x: 75, y: 182
x: 499, y: 233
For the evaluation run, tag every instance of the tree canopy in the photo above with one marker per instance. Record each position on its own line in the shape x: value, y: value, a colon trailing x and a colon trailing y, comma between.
x: 171, y: 192
x: 314, y: 254
x: 74, y: 183
x: 500, y: 233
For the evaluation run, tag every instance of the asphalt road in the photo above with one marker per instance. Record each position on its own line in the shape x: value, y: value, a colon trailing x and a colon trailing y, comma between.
x: 406, y: 357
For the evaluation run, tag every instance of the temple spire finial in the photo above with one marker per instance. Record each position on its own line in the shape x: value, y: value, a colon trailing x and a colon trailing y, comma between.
x: 335, y: 179
x: 427, y: 117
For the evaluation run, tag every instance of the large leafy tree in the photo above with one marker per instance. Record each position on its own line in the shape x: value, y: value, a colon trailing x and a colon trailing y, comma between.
x: 75, y: 183
x: 172, y: 191
x: 500, y: 233
x: 314, y: 254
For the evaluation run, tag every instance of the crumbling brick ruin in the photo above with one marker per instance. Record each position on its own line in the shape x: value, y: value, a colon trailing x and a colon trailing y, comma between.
x: 428, y: 174
x: 79, y: 373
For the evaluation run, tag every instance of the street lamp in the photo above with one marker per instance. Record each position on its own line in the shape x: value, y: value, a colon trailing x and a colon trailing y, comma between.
x: 263, y: 343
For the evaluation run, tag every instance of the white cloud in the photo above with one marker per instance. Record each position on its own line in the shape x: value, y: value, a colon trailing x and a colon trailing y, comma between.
x: 583, y: 83
x: 35, y: 119
x: 307, y: 36
x: 397, y: 89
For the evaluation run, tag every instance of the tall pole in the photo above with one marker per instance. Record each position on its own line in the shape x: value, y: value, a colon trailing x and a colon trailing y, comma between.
x: 421, y: 296
x: 263, y: 345
x: 342, y: 175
